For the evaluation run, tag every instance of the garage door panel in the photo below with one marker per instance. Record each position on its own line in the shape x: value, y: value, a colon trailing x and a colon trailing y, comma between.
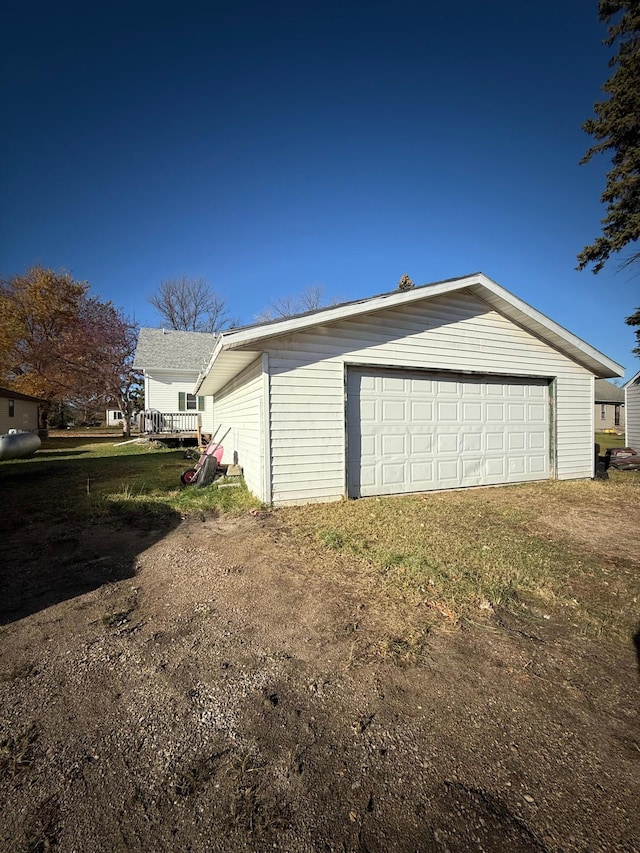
x: 393, y: 474
x: 393, y: 445
x: 408, y: 432
x: 447, y: 411
x: 471, y: 441
x: 394, y: 410
x: 472, y: 468
x: 421, y: 411
x: 536, y: 413
x: 495, y: 441
x: 537, y: 440
x: 516, y: 441
x: 516, y: 391
x: 516, y: 465
x: 421, y: 472
x: 495, y: 467
x: 421, y: 386
x: 368, y: 410
x: 447, y: 471
x: 495, y: 412
x: 538, y: 464
x: 420, y: 443
x: 368, y: 446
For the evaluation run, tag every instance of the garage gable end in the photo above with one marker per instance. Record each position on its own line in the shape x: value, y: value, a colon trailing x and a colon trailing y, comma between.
x: 457, y: 336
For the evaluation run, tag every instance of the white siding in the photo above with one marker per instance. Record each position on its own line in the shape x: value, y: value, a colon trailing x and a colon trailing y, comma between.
x: 457, y: 332
x: 163, y: 387
x: 632, y: 407
x: 25, y: 415
x: 239, y: 407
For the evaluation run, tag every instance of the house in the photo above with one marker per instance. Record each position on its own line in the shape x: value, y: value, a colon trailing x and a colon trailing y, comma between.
x: 632, y: 408
x: 113, y: 417
x: 609, y: 406
x: 452, y: 384
x: 18, y: 411
x: 171, y: 361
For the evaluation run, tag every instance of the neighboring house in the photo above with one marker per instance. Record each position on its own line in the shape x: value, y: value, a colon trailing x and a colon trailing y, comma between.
x: 632, y: 408
x: 18, y: 411
x: 452, y: 384
x: 609, y: 406
x: 171, y: 362
x: 114, y: 417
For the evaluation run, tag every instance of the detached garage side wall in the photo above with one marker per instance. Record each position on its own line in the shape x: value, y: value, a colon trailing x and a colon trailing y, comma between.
x: 162, y: 390
x: 455, y: 333
x: 239, y: 407
x: 632, y: 407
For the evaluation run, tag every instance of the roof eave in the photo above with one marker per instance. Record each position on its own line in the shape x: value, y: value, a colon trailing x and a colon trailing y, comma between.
x: 489, y: 291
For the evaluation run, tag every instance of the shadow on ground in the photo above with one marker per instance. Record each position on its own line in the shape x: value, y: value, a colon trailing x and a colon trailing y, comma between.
x: 41, y: 566
x: 60, y: 538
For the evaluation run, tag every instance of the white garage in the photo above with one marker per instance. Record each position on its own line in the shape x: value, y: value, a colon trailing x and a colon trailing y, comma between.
x: 448, y: 385
x: 410, y: 431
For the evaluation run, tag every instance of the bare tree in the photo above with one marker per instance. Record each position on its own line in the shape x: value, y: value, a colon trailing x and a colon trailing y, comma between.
x: 310, y: 299
x: 190, y: 305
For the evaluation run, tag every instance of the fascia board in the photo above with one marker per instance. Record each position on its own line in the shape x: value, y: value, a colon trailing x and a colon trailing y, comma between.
x: 214, y: 355
x: 233, y: 340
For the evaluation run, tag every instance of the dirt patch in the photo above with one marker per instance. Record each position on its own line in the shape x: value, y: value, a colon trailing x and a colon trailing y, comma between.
x: 221, y: 690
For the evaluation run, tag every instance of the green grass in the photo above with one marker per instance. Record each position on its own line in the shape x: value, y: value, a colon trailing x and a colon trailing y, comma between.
x: 464, y: 552
x: 91, y: 477
x: 606, y: 440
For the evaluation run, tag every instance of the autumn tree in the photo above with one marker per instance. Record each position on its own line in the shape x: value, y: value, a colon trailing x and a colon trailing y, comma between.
x: 60, y: 344
x: 190, y: 305
x: 616, y: 129
x: 310, y: 299
x: 37, y: 309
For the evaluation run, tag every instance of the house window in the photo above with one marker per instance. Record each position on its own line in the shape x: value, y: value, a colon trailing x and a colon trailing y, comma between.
x: 12, y: 408
x: 190, y: 403
x: 616, y: 416
x: 603, y: 412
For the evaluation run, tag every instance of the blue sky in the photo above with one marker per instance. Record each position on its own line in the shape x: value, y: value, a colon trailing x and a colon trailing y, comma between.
x: 270, y: 146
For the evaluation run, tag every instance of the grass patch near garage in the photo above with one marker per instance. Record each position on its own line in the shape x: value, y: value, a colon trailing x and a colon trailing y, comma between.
x: 87, y: 478
x: 607, y: 440
x: 543, y: 549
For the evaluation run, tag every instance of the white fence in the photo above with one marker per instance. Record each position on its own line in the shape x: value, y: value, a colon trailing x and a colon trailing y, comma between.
x: 155, y: 422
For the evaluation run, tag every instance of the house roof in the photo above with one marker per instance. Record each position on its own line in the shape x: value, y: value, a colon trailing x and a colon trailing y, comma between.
x: 16, y: 395
x: 607, y: 392
x: 173, y: 350
x: 237, y: 348
x: 635, y: 379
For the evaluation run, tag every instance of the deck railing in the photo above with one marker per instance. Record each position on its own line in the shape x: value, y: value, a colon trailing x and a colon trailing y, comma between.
x: 155, y: 422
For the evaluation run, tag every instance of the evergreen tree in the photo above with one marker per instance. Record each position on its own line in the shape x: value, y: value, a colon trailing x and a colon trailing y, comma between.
x: 616, y: 129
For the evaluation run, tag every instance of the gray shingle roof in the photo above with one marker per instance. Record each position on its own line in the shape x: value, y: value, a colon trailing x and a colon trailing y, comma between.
x: 167, y: 348
x: 607, y: 392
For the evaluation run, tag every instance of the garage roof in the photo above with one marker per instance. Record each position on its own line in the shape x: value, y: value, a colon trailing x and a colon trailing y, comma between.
x: 237, y: 348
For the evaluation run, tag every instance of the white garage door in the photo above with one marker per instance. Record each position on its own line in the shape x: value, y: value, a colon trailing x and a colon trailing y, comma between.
x: 410, y: 431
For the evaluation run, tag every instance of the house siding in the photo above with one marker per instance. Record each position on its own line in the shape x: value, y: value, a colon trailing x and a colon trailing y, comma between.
x: 25, y: 415
x: 162, y: 389
x: 239, y: 407
x: 454, y: 333
x: 632, y: 406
